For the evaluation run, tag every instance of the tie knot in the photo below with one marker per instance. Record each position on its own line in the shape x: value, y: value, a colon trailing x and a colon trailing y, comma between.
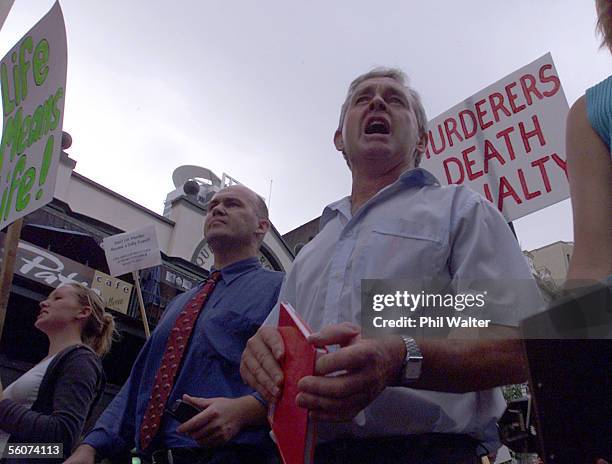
x: 215, y: 276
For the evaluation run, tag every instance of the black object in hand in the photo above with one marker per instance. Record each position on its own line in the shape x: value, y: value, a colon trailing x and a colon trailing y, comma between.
x: 182, y: 411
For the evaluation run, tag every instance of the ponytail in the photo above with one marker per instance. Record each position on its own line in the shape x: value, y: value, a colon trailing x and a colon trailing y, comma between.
x: 101, y: 342
x: 99, y: 329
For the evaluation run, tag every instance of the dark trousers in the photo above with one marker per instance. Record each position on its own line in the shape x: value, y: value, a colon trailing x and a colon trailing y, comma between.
x: 418, y: 449
x: 231, y: 454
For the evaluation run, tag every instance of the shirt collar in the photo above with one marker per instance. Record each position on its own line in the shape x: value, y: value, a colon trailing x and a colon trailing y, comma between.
x: 233, y: 271
x: 417, y: 177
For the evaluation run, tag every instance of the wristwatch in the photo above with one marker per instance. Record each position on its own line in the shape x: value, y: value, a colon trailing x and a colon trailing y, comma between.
x: 411, y: 369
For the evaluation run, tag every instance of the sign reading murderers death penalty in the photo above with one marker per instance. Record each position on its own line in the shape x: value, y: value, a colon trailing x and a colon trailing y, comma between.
x: 32, y: 81
x: 507, y: 142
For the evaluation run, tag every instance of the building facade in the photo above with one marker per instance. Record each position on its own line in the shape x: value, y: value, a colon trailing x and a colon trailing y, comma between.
x: 553, y: 259
x: 60, y: 244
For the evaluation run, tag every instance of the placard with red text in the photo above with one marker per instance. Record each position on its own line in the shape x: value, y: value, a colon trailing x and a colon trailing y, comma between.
x: 507, y: 142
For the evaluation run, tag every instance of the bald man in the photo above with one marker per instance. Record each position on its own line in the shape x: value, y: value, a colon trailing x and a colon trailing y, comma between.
x: 231, y: 426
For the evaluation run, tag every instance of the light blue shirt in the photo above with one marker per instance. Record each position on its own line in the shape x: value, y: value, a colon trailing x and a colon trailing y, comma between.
x: 413, y: 228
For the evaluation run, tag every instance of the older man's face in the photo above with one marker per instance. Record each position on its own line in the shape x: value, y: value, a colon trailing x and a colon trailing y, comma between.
x: 380, y: 126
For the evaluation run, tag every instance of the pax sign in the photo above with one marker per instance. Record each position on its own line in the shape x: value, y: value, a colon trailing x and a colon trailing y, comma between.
x: 507, y: 142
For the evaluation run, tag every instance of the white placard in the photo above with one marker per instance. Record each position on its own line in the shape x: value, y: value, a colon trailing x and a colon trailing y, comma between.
x: 33, y: 82
x: 132, y: 251
x: 507, y: 142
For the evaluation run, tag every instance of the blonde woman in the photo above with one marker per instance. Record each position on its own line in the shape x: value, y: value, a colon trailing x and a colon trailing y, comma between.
x: 50, y: 402
x: 589, y: 135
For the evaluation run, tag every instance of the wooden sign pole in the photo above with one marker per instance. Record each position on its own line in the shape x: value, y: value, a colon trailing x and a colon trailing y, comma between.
x: 143, y: 314
x: 8, y: 267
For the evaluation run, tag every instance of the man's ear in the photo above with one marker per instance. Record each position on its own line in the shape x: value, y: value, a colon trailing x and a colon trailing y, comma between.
x: 338, y: 141
x: 422, y: 144
x: 263, y: 226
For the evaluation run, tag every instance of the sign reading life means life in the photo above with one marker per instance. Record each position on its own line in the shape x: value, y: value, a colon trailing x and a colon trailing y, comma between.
x: 33, y: 82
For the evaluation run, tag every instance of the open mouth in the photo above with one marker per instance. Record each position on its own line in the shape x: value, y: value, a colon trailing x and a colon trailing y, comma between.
x: 377, y: 125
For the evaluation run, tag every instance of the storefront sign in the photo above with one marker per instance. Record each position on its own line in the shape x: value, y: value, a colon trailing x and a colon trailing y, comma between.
x: 115, y: 292
x: 53, y: 270
x: 46, y: 267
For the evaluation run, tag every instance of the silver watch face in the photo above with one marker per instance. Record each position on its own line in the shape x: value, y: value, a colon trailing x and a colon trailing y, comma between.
x: 412, y: 369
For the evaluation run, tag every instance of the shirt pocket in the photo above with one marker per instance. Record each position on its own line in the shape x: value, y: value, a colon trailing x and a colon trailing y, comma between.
x: 401, y: 249
x: 227, y: 332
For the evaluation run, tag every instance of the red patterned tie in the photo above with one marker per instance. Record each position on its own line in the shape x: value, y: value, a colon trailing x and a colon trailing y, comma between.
x: 177, y: 342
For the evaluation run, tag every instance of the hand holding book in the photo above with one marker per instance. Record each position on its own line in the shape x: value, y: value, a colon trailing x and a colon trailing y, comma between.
x: 260, y: 364
x: 337, y: 389
x: 292, y: 429
x: 346, y: 381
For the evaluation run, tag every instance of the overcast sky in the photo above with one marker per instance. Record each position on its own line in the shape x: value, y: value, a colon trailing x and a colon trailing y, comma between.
x: 254, y: 89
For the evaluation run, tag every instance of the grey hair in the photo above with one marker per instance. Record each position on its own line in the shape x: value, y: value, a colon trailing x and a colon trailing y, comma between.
x: 413, y: 97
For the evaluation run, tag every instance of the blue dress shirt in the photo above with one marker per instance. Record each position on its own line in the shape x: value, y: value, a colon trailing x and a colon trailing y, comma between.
x: 240, y: 302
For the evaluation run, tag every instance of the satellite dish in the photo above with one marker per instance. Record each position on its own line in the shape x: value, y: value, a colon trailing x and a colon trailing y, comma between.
x: 188, y: 172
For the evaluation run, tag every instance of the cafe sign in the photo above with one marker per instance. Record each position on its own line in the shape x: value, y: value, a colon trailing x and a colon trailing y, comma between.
x: 115, y: 292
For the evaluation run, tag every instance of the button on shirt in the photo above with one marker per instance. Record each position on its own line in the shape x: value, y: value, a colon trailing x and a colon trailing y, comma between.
x: 414, y: 228
x: 234, y: 311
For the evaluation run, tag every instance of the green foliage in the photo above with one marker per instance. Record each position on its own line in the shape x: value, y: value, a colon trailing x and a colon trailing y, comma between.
x: 514, y: 392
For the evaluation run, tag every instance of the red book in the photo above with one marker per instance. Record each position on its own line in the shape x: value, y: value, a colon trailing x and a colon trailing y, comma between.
x: 294, y: 433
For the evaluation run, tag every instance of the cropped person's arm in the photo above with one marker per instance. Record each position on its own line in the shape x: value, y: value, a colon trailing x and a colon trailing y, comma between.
x: 590, y: 178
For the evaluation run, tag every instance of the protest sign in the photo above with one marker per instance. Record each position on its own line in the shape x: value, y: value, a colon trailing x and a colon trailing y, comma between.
x: 507, y: 142
x: 132, y: 251
x: 32, y: 81
x: 5, y: 8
